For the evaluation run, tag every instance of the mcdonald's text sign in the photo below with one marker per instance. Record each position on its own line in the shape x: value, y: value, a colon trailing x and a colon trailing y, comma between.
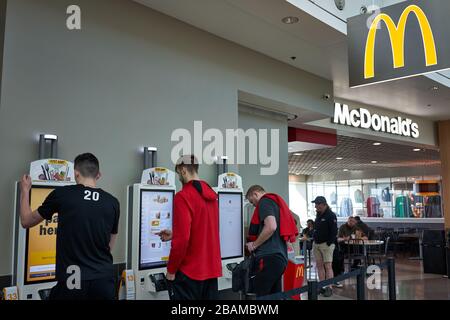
x: 404, y: 40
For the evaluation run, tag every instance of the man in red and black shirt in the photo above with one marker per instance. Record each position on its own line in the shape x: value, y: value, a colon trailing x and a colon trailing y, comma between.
x: 194, y: 263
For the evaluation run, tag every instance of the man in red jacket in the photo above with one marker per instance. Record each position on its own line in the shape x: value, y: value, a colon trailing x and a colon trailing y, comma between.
x: 195, y: 262
x: 272, y: 229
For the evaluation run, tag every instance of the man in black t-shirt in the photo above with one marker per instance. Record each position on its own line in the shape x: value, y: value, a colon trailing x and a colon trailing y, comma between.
x: 270, y: 249
x: 88, y: 220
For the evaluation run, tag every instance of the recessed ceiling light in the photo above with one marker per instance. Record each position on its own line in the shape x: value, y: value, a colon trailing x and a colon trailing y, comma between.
x: 298, y: 154
x: 374, y: 162
x: 345, y: 170
x: 314, y: 167
x: 339, y: 158
x: 290, y: 20
x: 377, y: 144
x: 417, y: 150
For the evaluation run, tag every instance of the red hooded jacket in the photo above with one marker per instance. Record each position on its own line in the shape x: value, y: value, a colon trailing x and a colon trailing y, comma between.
x: 196, y: 244
x: 288, y: 229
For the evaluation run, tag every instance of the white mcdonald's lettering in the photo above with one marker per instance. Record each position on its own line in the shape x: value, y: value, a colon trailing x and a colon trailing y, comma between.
x: 363, y: 118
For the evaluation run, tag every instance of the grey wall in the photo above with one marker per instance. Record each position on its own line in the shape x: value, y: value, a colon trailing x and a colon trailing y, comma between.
x: 126, y: 80
x: 251, y: 175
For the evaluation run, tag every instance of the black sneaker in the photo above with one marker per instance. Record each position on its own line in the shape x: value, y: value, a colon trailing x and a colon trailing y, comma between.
x: 322, y: 291
x: 328, y: 292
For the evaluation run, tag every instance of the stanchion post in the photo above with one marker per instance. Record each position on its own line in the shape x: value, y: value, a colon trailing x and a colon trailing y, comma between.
x: 312, y: 290
x: 391, y: 279
x: 360, y: 284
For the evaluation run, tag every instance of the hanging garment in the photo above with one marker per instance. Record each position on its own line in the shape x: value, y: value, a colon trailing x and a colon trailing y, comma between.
x: 359, y: 196
x: 433, y: 207
x: 403, y: 207
x: 333, y: 198
x: 373, y: 207
x: 386, y: 195
x: 346, y: 208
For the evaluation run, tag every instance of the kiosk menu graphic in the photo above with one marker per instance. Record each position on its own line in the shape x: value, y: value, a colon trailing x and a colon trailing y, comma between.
x: 41, y: 242
x: 230, y: 215
x: 156, y: 215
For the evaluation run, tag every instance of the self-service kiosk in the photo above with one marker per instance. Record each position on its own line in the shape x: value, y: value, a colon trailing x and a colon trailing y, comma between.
x: 34, y: 249
x: 231, y: 222
x: 150, y: 210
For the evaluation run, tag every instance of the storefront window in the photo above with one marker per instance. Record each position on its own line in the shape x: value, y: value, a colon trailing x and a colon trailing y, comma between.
x: 357, y: 197
x: 395, y: 197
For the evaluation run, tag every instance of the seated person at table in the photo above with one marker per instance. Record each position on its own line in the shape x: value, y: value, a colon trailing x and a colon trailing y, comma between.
x: 347, y: 229
x: 359, y: 234
x: 364, y: 227
x: 307, y: 233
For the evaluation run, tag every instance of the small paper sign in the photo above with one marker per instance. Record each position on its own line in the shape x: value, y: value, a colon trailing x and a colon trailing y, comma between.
x: 52, y: 170
x: 10, y: 293
x: 230, y: 180
x: 158, y: 177
x: 127, y: 290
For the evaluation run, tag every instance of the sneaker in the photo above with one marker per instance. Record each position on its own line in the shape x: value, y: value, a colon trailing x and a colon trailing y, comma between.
x: 338, y: 285
x: 322, y: 291
x: 328, y: 292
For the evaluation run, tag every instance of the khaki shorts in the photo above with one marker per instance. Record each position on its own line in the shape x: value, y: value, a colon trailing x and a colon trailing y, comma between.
x: 323, y: 252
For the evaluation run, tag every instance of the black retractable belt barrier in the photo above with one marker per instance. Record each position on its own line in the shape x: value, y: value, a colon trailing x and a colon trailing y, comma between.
x: 313, y: 286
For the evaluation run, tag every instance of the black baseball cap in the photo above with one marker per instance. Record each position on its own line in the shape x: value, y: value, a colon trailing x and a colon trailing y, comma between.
x: 319, y: 200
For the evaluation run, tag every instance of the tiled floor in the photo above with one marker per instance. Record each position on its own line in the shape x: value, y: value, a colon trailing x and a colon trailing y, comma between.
x: 411, y: 284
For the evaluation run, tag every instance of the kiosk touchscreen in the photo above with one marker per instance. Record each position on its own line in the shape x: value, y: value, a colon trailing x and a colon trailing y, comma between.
x: 231, y: 225
x: 35, y: 248
x: 150, y: 210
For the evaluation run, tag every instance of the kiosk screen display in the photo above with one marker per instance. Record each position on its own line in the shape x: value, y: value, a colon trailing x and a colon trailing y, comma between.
x: 231, y: 215
x: 156, y: 215
x: 40, y: 252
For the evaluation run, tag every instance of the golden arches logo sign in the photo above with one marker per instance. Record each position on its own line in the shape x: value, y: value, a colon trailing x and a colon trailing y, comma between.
x: 397, y: 37
x: 403, y: 40
x: 300, y: 272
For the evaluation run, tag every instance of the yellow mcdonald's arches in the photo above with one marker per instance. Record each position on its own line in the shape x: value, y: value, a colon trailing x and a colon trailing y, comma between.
x: 397, y: 37
x: 300, y: 271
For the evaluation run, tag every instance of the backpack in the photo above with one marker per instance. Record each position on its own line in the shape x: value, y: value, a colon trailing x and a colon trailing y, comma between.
x: 241, y: 275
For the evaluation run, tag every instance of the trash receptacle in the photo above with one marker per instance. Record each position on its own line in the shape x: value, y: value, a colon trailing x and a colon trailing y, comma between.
x: 434, y: 252
x: 294, y: 275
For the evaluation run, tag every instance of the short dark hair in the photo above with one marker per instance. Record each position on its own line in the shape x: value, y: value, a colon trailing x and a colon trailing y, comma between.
x: 87, y: 164
x: 254, y: 188
x: 357, y: 218
x: 189, y: 162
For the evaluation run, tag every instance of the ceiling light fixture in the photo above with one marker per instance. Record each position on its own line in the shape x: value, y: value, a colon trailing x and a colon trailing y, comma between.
x: 339, y: 158
x: 298, y: 154
x: 434, y: 88
x: 374, y: 162
x: 377, y: 144
x: 290, y: 20
x: 345, y: 170
x: 315, y: 167
x: 417, y: 150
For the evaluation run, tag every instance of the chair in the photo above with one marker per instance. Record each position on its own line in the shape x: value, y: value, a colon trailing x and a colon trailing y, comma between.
x: 382, y: 254
x: 396, y: 242
x: 355, y: 253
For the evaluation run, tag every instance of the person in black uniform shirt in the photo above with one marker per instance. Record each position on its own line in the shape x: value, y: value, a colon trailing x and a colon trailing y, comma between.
x: 325, y: 238
x: 88, y: 220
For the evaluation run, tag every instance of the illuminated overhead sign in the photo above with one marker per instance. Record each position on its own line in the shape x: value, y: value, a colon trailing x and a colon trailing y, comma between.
x: 418, y: 46
x: 364, y: 119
